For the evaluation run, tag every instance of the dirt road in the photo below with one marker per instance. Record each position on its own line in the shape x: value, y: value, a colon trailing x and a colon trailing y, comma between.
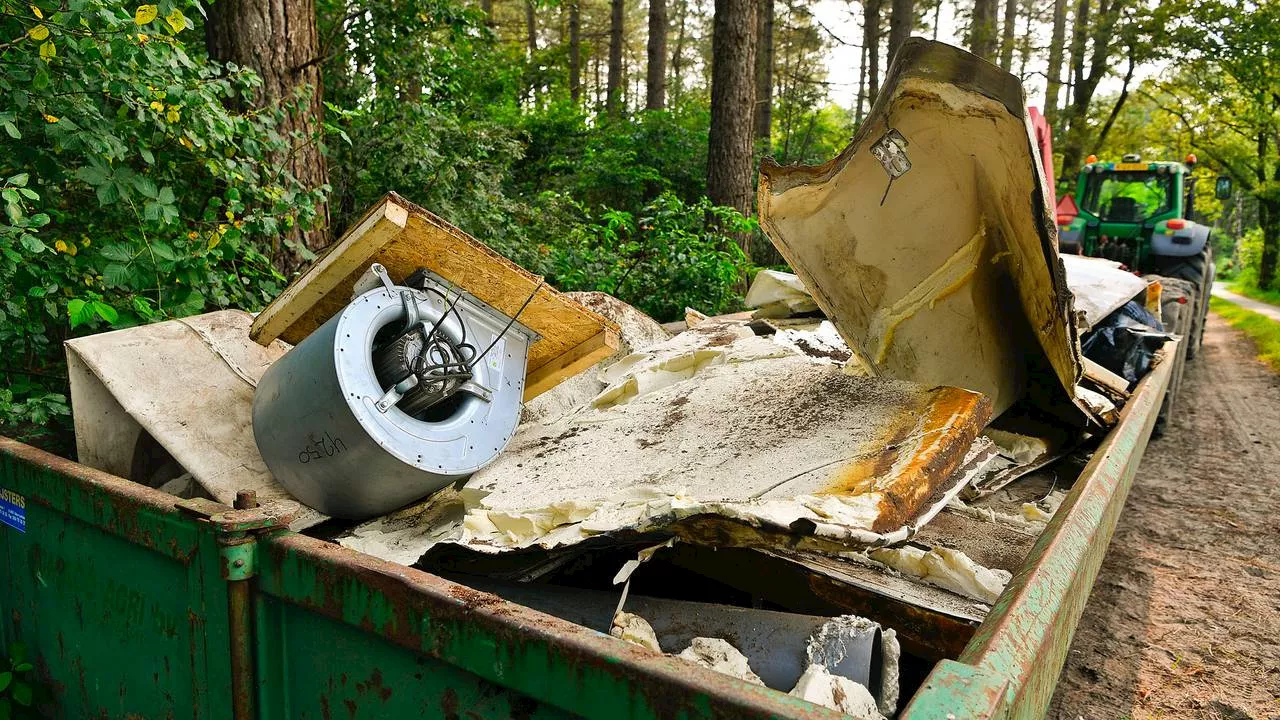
x: 1184, y: 621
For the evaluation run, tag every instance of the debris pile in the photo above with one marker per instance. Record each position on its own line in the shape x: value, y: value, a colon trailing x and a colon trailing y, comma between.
x: 870, y: 453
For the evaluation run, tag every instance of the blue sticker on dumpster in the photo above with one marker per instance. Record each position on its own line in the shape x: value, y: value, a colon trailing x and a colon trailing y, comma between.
x: 13, y: 510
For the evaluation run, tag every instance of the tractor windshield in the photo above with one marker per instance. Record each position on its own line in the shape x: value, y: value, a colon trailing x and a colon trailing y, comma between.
x: 1128, y: 196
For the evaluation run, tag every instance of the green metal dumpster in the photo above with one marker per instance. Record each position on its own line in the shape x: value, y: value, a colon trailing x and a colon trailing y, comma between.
x: 137, y: 604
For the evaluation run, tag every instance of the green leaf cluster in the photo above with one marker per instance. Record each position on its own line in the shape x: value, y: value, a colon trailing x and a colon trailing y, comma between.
x: 23, y: 696
x: 133, y: 188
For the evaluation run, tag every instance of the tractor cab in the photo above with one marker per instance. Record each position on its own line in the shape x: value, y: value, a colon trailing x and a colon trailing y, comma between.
x: 1128, y: 208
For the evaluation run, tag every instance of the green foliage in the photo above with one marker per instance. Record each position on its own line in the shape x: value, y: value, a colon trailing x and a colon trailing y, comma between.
x: 619, y: 163
x: 670, y: 256
x: 132, y: 191
x: 1247, y: 259
x: 22, y: 695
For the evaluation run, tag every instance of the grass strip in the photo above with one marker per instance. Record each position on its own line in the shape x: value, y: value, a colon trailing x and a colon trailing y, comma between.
x: 1264, y: 331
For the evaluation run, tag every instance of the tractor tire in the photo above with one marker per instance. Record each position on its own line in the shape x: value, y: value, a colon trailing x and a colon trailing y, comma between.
x: 1199, y: 271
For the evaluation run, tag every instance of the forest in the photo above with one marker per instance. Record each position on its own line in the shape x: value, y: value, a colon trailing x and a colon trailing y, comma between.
x: 162, y: 160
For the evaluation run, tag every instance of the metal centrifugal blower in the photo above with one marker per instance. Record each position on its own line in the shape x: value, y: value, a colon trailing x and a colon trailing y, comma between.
x: 408, y: 389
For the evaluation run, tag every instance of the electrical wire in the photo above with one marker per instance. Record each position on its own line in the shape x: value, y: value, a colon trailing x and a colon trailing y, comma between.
x: 510, y: 322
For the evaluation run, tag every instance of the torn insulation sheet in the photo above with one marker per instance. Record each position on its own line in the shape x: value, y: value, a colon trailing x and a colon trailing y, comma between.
x: 180, y: 389
x: 776, y: 294
x: 720, y: 432
x: 1099, y: 287
x: 946, y: 568
x: 928, y: 241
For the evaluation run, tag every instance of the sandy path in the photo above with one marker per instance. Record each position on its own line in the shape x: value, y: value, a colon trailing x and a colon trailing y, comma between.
x: 1271, y: 311
x: 1184, y: 621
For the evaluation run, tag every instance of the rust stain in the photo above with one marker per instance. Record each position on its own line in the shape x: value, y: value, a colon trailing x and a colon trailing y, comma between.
x: 945, y: 429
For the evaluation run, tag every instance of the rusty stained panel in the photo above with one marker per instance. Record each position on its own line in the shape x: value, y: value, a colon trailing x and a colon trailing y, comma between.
x: 499, y: 643
x: 936, y: 439
x: 116, y: 595
x: 137, y: 513
x: 1023, y: 642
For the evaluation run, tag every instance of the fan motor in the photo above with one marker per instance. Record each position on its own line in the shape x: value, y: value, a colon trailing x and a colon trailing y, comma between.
x: 403, y: 392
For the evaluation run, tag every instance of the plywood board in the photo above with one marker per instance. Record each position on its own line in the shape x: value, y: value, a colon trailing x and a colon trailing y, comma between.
x: 404, y: 237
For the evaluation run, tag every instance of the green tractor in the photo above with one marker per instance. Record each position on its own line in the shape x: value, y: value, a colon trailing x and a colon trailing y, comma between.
x: 1140, y: 214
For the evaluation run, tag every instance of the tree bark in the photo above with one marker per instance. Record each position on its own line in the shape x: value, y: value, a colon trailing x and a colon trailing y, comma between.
x: 575, y: 52
x: 1268, y: 216
x: 862, y: 83
x: 733, y: 61
x: 612, y: 97
x: 764, y: 73
x: 486, y: 6
x: 677, y: 55
x: 902, y: 21
x: 656, y: 70
x: 1054, y: 74
x: 278, y: 39
x: 531, y: 27
x: 871, y: 41
x: 982, y: 29
x: 1269, y: 219
x: 1008, y: 30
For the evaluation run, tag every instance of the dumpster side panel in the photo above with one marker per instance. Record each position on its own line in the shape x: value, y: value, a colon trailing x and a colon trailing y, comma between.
x: 399, y: 625
x: 116, y: 596
x: 1011, y: 666
x: 311, y: 666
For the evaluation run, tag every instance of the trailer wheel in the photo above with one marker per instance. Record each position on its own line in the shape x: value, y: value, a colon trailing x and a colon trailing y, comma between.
x: 1198, y: 270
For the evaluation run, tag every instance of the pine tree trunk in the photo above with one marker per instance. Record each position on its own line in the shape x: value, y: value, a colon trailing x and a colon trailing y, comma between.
x: 677, y: 55
x: 575, y: 52
x: 1056, y: 46
x: 901, y: 22
x: 982, y: 29
x: 862, y: 84
x: 531, y: 27
x: 1007, y: 34
x: 656, y: 70
x: 764, y: 73
x: 278, y: 39
x: 486, y: 6
x: 613, y: 92
x: 733, y: 61
x: 871, y: 41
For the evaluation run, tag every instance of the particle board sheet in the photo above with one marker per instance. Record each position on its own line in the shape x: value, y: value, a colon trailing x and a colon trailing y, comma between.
x: 928, y: 240
x: 404, y: 237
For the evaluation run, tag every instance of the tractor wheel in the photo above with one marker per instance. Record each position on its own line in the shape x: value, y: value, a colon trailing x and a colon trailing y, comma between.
x: 1198, y: 270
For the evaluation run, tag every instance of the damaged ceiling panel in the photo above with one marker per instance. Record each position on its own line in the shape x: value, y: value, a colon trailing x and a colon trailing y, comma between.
x: 767, y: 445
x: 928, y: 240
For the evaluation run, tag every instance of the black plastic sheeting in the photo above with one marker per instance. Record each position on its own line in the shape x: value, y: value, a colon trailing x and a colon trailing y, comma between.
x: 1126, y: 341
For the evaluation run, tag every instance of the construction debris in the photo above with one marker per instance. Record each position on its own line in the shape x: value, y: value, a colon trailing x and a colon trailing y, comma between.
x: 820, y: 687
x: 946, y: 568
x: 635, y: 630
x: 1099, y: 287
x: 777, y: 294
x: 156, y: 401
x: 852, y: 458
x: 716, y: 654
x: 923, y: 250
